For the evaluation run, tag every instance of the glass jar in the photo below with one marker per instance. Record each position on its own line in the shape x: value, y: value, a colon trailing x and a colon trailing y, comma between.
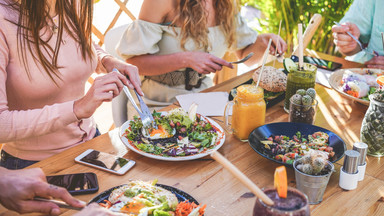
x: 300, y: 79
x: 248, y: 111
x: 302, y: 113
x: 296, y: 204
x: 372, y: 128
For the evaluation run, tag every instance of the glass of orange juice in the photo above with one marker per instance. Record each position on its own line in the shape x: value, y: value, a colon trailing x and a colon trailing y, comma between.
x: 248, y: 111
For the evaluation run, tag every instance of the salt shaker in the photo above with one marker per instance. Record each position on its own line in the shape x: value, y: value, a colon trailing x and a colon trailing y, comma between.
x: 361, y: 164
x: 349, y: 174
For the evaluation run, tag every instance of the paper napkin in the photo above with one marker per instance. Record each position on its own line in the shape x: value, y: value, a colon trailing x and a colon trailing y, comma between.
x: 209, y: 104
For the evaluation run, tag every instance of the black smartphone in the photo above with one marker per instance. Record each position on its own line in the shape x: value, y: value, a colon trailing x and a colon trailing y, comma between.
x: 320, y: 63
x: 105, y: 161
x: 76, y: 184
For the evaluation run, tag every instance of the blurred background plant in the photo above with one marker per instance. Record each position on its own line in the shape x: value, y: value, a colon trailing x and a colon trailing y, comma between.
x: 292, y: 12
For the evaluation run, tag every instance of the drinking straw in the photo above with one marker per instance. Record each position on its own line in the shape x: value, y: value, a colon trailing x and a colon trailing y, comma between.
x: 241, y: 177
x: 301, y: 46
x: 382, y: 38
x: 278, y: 43
x: 264, y: 61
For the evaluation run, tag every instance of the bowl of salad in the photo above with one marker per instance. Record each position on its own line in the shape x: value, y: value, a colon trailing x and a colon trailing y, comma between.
x: 149, y: 199
x: 180, y: 136
x: 282, y: 142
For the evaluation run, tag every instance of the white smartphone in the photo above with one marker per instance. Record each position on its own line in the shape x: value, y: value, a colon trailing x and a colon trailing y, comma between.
x: 105, y: 161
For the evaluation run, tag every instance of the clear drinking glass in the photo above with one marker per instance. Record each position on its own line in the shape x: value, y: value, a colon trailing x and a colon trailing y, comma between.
x: 300, y: 79
x: 302, y: 113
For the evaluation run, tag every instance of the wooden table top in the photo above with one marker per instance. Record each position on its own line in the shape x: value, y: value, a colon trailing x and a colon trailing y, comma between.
x: 210, y: 184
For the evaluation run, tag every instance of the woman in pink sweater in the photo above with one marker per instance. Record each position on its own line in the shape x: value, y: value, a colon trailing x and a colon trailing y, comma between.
x: 46, y: 58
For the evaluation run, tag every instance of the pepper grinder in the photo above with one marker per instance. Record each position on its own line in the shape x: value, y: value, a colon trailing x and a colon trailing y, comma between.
x: 361, y: 164
x: 349, y: 174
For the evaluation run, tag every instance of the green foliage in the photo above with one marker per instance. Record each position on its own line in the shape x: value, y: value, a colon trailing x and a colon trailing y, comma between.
x: 292, y: 12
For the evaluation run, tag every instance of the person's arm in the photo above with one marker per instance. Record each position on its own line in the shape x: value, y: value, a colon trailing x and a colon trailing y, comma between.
x: 259, y: 46
x: 130, y: 71
x: 19, y: 187
x: 358, y: 21
x: 21, y: 124
x: 157, y: 11
x: 249, y: 41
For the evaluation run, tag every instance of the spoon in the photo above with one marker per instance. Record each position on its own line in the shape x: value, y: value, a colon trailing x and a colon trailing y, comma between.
x: 244, y: 59
x: 374, y: 53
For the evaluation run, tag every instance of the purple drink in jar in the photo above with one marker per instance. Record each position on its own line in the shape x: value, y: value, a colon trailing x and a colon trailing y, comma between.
x: 296, y: 204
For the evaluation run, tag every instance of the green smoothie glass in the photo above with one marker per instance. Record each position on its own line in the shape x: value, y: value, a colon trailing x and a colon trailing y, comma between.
x: 299, y: 79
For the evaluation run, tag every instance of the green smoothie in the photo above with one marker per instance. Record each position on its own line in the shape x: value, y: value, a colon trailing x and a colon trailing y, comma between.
x: 299, y: 79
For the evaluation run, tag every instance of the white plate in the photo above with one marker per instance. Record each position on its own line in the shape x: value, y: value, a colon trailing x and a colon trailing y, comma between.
x: 337, y: 76
x: 219, y: 142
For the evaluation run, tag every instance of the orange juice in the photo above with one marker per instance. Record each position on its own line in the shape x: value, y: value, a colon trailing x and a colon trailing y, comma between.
x: 248, y: 110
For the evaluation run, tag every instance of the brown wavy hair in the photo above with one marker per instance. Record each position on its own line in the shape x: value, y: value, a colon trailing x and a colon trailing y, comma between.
x: 74, y: 16
x: 192, y: 16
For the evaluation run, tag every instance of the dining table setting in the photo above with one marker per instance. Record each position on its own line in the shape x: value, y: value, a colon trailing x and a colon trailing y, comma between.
x: 203, y: 178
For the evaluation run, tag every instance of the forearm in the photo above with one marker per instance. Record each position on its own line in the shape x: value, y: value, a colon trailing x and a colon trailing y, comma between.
x: 258, y: 52
x: 151, y: 65
x: 21, y: 124
x: 353, y: 52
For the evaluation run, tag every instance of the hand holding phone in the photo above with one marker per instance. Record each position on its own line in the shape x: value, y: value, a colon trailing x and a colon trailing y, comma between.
x: 105, y: 161
x: 76, y: 184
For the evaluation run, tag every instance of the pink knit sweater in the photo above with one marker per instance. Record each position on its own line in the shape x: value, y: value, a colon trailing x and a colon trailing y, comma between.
x: 36, y: 116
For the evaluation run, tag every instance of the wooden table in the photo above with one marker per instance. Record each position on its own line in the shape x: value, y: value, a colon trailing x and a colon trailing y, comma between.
x: 210, y: 184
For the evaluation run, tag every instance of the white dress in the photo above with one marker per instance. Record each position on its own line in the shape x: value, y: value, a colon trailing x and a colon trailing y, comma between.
x: 142, y: 37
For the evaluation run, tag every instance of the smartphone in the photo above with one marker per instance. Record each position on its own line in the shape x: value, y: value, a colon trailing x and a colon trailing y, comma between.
x: 320, y: 63
x: 105, y: 161
x: 76, y: 184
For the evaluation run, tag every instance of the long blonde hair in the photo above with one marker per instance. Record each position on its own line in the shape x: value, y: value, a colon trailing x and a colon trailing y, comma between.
x: 192, y: 17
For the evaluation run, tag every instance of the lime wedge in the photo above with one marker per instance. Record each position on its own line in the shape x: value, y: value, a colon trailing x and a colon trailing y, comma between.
x: 289, y: 65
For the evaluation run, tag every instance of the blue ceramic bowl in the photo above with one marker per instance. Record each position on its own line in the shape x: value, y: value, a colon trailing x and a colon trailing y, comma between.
x: 289, y: 129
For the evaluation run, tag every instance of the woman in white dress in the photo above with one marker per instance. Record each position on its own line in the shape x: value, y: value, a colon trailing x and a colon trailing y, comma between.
x: 175, y: 43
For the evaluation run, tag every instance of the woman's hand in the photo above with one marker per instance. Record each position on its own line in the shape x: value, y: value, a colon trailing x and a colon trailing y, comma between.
x: 103, y: 89
x: 126, y: 69
x: 343, y: 41
x: 259, y: 47
x: 95, y: 210
x: 205, y: 63
x: 376, y: 62
x: 19, y: 187
x: 277, y: 43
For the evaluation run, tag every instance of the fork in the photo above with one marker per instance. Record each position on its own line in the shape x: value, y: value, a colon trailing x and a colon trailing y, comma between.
x: 374, y: 53
x: 243, y: 59
x: 145, y: 114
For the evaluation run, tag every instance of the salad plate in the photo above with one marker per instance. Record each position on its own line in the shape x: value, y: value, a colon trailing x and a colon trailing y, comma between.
x: 259, y: 137
x: 336, y: 81
x: 148, y: 199
x: 181, y: 195
x: 215, y: 134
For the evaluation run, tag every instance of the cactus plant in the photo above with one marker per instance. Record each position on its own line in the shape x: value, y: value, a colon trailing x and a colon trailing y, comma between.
x: 311, y: 92
x: 296, y: 98
x: 301, y: 92
x: 313, y: 163
x: 306, y: 100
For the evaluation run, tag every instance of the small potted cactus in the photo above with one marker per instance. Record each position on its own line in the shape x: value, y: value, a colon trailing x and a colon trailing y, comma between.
x: 303, y: 106
x: 312, y: 173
